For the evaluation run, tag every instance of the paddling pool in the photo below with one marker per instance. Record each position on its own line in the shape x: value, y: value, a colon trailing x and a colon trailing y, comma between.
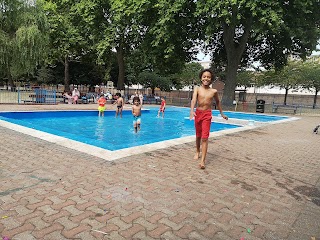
x: 113, y: 133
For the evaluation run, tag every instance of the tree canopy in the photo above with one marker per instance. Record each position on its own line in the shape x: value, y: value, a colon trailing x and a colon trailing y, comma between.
x: 158, y: 36
x: 238, y: 32
x: 310, y: 76
x: 153, y: 80
x: 23, y: 38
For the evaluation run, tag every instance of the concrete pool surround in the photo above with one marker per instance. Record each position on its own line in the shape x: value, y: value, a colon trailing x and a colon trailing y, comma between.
x: 117, y: 154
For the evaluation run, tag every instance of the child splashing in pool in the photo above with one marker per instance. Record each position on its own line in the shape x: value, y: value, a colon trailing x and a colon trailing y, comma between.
x: 204, y: 96
x: 136, y: 112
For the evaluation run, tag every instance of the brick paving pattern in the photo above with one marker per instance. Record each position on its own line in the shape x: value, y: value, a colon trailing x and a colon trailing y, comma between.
x: 259, y: 184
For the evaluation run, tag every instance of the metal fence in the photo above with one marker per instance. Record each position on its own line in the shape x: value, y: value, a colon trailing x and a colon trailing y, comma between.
x: 23, y: 95
x: 29, y: 96
x: 251, y: 107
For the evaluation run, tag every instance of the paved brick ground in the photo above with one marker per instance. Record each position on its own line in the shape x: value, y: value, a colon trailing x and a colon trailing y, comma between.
x: 259, y: 184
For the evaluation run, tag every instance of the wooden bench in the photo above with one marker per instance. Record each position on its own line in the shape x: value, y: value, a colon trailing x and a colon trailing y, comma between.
x: 151, y: 100
x: 43, y: 99
x: 283, y: 107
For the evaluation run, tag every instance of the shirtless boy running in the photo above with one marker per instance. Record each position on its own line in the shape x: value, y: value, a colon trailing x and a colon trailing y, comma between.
x: 204, y: 96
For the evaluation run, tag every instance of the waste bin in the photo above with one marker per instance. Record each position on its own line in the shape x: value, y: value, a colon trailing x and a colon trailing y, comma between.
x: 260, y: 106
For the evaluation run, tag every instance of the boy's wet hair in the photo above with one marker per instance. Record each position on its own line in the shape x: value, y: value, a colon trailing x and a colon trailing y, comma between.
x: 206, y: 70
x: 118, y: 94
x: 136, y: 99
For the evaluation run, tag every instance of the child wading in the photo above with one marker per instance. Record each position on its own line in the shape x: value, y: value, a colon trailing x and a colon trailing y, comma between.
x: 120, y: 102
x: 204, y: 96
x: 162, y: 107
x: 136, y: 112
x: 102, y: 105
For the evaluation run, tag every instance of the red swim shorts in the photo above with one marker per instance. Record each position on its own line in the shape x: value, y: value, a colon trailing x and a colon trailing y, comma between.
x: 202, y: 122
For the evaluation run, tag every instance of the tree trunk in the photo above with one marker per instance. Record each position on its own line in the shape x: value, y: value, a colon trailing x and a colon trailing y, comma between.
x: 152, y: 91
x: 120, y: 59
x: 234, y: 48
x: 231, y: 82
x: 66, y: 74
x: 315, y: 99
x: 11, y: 83
x: 285, y: 96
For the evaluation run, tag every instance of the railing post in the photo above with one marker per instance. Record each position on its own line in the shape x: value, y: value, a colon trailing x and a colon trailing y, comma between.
x: 18, y: 95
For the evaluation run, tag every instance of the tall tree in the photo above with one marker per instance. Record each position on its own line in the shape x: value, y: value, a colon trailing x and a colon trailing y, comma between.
x: 172, y: 36
x: 23, y: 38
x: 153, y: 80
x: 188, y: 77
x: 310, y: 77
x: 241, y: 31
x: 286, y: 78
x: 66, y: 42
x: 120, y: 29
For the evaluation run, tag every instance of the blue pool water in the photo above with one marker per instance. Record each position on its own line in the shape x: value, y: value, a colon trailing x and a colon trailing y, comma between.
x: 113, y: 133
x: 251, y: 116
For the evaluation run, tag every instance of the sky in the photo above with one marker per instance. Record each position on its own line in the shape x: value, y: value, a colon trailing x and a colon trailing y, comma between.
x: 202, y: 57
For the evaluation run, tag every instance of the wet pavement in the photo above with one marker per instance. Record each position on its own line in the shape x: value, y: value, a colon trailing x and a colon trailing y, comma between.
x: 263, y: 183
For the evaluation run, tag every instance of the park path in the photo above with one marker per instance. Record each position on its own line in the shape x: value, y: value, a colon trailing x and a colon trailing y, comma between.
x: 260, y: 184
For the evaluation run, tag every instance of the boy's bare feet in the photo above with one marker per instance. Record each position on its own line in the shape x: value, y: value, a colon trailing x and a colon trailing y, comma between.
x: 201, y: 165
x: 196, y: 156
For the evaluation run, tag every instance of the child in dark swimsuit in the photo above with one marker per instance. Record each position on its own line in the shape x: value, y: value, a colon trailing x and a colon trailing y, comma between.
x: 119, y: 101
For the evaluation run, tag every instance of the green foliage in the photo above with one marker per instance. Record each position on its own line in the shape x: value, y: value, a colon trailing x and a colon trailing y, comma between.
x: 277, y: 29
x: 239, y: 32
x: 310, y: 74
x: 172, y: 35
x: 23, y: 38
x: 65, y: 37
x: 287, y: 77
x: 189, y: 76
x: 246, y: 78
x: 153, y: 80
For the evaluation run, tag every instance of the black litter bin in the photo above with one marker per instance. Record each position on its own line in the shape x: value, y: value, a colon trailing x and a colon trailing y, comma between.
x: 260, y: 106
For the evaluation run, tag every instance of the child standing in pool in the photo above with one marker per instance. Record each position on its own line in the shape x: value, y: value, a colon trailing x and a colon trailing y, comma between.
x: 162, y: 107
x: 204, y: 96
x: 136, y: 112
x: 102, y: 102
x: 119, y: 101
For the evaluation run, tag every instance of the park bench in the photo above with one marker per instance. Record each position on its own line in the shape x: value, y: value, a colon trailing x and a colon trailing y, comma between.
x: 43, y: 99
x: 284, y: 108
x: 151, y: 100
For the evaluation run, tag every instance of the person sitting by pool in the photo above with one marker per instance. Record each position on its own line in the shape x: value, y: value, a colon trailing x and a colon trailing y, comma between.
x: 102, y: 102
x: 120, y: 102
x: 136, y: 112
x: 75, y: 95
x: 67, y: 96
x: 162, y: 107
